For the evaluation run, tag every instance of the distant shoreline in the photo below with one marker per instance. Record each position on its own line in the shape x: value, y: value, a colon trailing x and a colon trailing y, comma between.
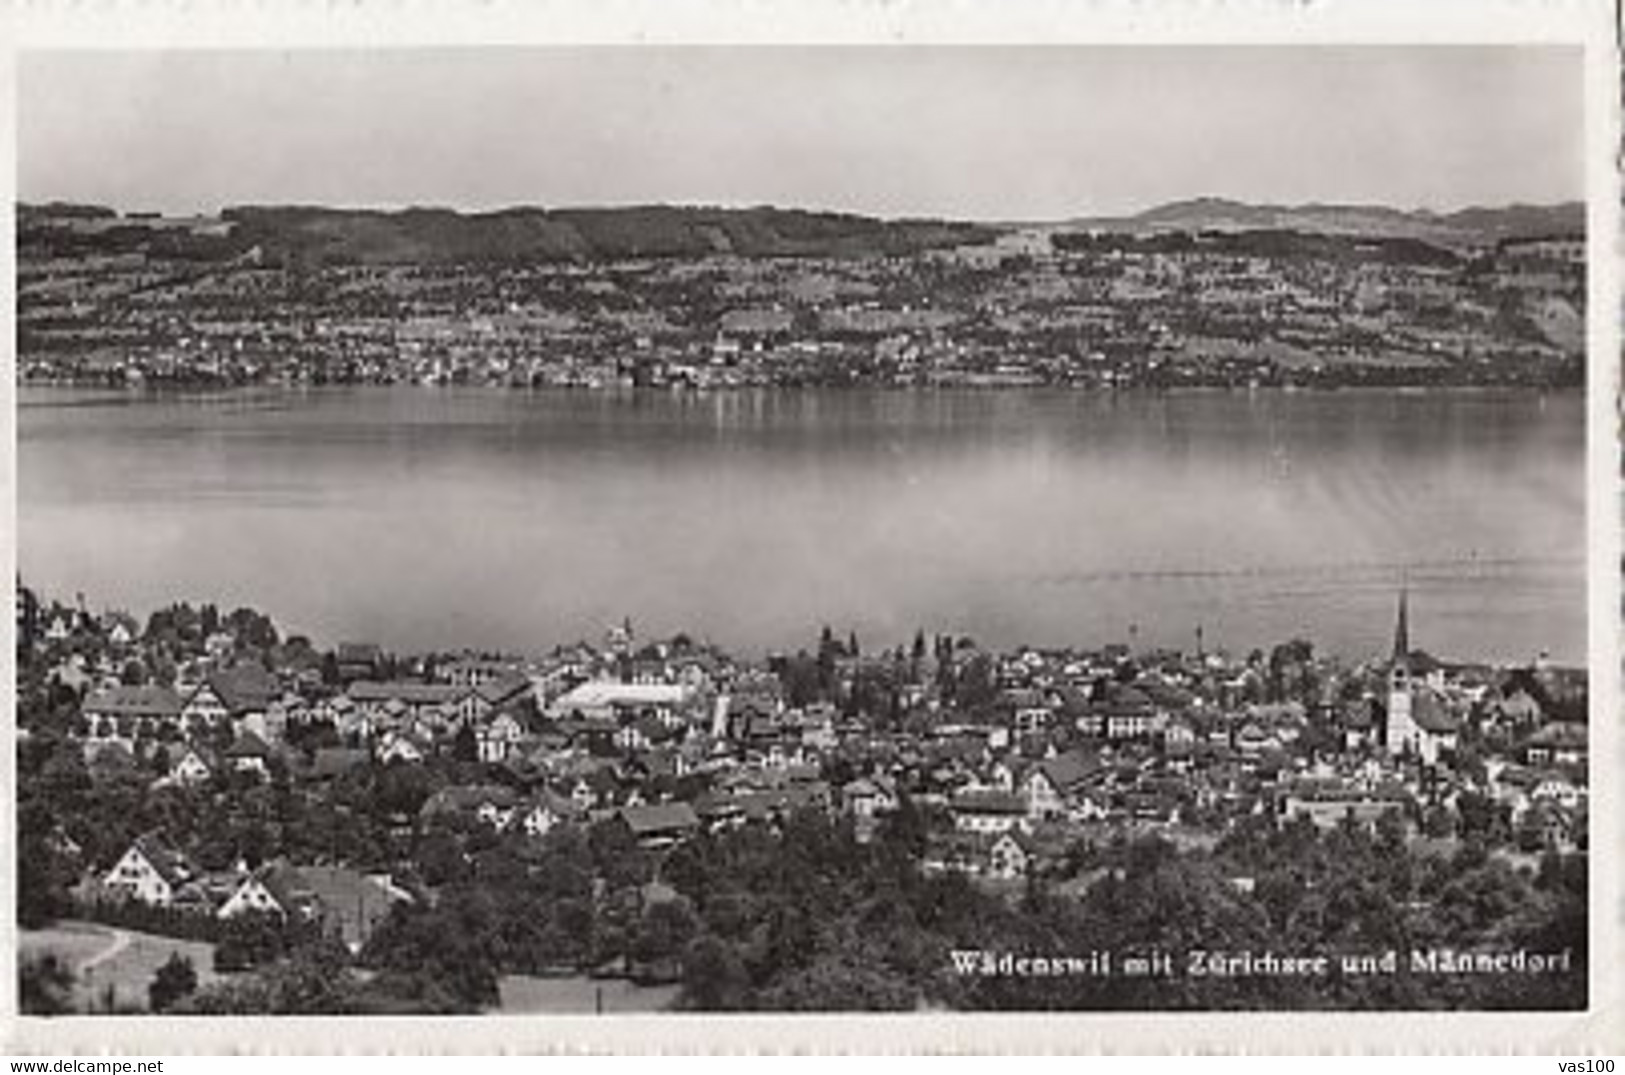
x: 138, y: 393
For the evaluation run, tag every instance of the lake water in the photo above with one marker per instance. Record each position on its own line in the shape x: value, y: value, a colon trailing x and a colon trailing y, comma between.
x: 443, y: 518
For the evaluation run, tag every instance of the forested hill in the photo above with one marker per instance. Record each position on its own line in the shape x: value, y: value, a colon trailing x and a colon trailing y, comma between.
x: 528, y: 234
x: 446, y: 237
x: 311, y: 235
x: 1478, y: 225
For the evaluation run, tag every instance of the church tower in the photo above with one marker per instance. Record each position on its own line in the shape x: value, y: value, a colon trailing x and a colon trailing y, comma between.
x: 1401, y: 730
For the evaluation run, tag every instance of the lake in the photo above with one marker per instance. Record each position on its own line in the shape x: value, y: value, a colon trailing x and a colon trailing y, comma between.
x: 437, y: 518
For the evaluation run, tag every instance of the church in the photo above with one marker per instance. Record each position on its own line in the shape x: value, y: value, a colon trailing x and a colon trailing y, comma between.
x: 1419, y: 723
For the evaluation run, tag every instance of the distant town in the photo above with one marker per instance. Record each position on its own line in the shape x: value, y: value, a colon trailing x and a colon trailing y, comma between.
x: 218, y: 816
x: 1205, y: 294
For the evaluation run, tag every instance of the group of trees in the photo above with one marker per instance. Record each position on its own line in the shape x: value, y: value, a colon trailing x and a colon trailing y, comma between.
x: 811, y: 918
x: 808, y: 917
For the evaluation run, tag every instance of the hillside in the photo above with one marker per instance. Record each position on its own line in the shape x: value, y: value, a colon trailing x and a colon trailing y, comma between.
x: 313, y: 234
x: 1467, y: 226
x: 442, y: 235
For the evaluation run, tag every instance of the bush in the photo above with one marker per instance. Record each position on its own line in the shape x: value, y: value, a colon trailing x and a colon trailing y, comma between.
x: 44, y: 986
x: 175, y: 979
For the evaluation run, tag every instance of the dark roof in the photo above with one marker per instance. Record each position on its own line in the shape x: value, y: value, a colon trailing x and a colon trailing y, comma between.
x: 285, y: 885
x: 659, y: 818
x: 140, y: 701
x: 330, y: 762
x: 249, y: 745
x: 410, y: 692
x: 1431, y: 715
x: 988, y: 802
x: 244, y: 687
x: 173, y: 866
x: 1067, y: 771
x: 351, y: 903
x: 503, y: 687
x: 468, y: 797
x: 1128, y: 701
x: 1559, y: 734
x: 1333, y: 790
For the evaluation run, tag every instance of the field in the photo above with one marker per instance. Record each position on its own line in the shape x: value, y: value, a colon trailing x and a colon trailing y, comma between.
x: 103, y: 957
x: 526, y: 995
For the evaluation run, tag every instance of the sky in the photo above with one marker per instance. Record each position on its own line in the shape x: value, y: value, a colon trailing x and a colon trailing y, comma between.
x: 1021, y: 133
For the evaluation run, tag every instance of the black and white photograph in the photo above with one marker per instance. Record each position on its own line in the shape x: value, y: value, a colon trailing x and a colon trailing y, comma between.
x: 676, y: 529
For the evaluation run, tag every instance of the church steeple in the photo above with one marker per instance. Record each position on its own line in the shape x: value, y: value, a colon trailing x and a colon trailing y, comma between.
x: 1402, y: 628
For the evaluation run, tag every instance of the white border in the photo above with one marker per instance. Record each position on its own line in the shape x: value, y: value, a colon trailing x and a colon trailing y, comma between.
x: 351, y: 23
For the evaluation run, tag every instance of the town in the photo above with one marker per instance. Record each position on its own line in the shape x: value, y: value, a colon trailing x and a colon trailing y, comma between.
x: 347, y: 829
x: 689, y: 299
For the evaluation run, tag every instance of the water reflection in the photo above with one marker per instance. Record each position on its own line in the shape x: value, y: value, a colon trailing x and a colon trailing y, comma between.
x: 519, y: 519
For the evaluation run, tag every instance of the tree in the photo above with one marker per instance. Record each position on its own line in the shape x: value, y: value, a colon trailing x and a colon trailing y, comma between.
x: 44, y: 986
x: 451, y: 948
x: 465, y: 745
x: 1438, y: 822
x: 177, y: 978
x: 833, y: 984
x: 662, y: 935
x: 714, y: 977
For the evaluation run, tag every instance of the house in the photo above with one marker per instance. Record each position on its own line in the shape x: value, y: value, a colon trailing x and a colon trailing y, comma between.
x: 1557, y: 743
x: 498, y: 693
x: 640, y: 733
x: 1253, y: 740
x: 121, y: 712
x: 1552, y: 786
x: 385, y: 705
x: 988, y: 812
x: 1028, y: 711
x: 290, y: 710
x: 1130, y: 715
x: 583, y: 793
x: 345, y: 717
x: 489, y: 804
x: 1179, y: 736
x: 1329, y: 803
x: 548, y: 811
x: 1362, y: 730
x: 1051, y: 785
x: 190, y: 769
x: 275, y: 888
x: 610, y: 698
x: 660, y: 824
x: 865, y: 798
x: 1517, y: 708
x: 71, y: 674
x: 329, y: 763
x: 358, y: 660
x: 121, y: 629
x: 1010, y: 857
x: 349, y: 904
x: 1553, y: 827
x: 232, y: 693
x: 151, y: 871
x: 499, y: 737
x: 204, y: 709
x: 478, y: 671
x: 250, y: 754
x: 1436, y: 730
